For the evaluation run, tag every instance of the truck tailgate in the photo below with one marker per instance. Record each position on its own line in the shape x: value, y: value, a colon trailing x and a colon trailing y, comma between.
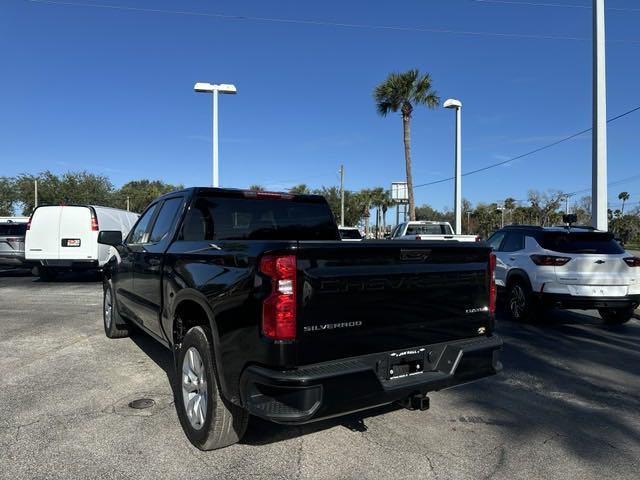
x: 361, y: 298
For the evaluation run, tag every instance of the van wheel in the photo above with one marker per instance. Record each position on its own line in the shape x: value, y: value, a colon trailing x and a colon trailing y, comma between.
x: 46, y: 274
x: 208, y: 420
x: 520, y: 305
x: 114, y: 325
x: 616, y: 316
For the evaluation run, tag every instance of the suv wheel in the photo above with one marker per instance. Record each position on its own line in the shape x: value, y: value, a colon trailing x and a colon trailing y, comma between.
x: 616, y: 316
x: 208, y: 420
x: 114, y: 325
x: 519, y: 302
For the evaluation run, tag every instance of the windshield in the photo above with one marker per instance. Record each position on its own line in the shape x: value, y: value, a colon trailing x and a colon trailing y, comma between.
x: 581, y: 242
x: 18, y: 229
x: 238, y: 218
x: 429, y: 229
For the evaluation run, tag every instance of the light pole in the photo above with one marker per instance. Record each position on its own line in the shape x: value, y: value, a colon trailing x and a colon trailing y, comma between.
x: 599, y: 134
x: 342, y: 195
x: 204, y: 87
x: 457, y: 105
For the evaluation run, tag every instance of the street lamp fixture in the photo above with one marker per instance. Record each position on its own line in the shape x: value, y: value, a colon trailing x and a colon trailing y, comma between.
x: 457, y: 105
x: 225, y: 88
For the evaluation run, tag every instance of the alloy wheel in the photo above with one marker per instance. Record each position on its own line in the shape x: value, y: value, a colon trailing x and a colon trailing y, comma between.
x: 517, y: 301
x: 108, y: 308
x: 194, y: 388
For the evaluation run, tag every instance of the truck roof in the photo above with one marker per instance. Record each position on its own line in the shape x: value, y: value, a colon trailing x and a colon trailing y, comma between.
x: 239, y: 192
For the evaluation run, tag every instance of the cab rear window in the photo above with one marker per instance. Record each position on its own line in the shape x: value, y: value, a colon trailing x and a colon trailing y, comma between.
x: 580, y: 242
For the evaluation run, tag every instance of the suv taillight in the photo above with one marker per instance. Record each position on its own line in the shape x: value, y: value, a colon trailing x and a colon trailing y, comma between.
x: 94, y: 221
x: 549, y: 260
x: 492, y: 284
x: 632, y: 261
x: 279, y: 308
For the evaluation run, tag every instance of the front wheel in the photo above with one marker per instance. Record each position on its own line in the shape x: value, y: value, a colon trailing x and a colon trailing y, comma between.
x: 114, y: 325
x: 208, y: 420
x: 616, y: 316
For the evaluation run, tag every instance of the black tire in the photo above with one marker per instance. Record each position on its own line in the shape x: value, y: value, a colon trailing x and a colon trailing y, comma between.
x: 519, y: 302
x: 616, y: 316
x: 46, y: 274
x: 114, y: 325
x: 220, y: 423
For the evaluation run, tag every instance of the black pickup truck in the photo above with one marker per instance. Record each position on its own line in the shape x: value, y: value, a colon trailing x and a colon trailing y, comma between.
x: 269, y: 314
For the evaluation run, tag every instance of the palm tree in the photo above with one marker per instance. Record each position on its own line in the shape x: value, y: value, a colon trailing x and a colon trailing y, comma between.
x: 402, y: 92
x: 256, y: 188
x: 624, y: 196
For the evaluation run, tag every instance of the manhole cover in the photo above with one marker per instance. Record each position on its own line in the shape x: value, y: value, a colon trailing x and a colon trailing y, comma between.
x: 141, y: 403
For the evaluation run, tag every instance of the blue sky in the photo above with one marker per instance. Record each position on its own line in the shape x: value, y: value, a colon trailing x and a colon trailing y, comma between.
x: 110, y: 91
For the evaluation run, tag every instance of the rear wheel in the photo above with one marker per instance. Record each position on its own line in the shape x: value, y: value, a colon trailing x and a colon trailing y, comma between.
x: 616, y: 316
x: 208, y: 420
x: 114, y: 325
x: 520, y: 304
x: 46, y: 273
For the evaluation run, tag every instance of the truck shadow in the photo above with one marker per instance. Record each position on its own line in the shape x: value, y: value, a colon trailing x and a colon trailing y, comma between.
x: 571, y: 378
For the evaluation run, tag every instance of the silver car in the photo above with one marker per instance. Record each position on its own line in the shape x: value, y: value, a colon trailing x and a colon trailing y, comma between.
x: 12, y: 242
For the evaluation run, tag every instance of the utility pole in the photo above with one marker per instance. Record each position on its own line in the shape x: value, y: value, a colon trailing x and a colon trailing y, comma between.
x: 342, y: 195
x: 127, y: 203
x: 35, y: 192
x: 599, y: 136
x: 468, y: 222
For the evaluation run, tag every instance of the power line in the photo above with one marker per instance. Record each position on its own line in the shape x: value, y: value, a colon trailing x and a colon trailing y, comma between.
x: 322, y: 23
x: 539, y: 149
x: 555, y: 5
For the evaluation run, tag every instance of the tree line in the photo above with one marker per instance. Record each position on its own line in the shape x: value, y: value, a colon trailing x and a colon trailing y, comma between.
x: 368, y: 208
x: 17, y: 194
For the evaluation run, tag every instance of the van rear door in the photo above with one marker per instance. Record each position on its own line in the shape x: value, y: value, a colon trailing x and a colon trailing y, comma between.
x: 77, y: 238
x: 41, y: 240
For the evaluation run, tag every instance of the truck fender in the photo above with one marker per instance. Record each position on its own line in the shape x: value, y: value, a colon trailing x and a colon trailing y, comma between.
x: 197, y: 297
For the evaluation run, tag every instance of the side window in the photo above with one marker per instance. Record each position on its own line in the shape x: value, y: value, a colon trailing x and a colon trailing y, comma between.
x: 165, y: 219
x: 198, y: 225
x: 514, y: 242
x: 495, y: 240
x: 139, y: 233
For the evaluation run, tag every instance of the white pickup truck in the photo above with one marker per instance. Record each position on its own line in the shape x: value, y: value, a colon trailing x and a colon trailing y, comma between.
x: 427, y: 230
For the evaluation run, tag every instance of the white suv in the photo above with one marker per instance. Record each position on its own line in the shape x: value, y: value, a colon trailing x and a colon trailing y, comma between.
x: 577, y: 268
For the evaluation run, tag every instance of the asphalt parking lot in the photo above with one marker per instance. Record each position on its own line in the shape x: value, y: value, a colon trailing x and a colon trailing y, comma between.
x: 566, y: 406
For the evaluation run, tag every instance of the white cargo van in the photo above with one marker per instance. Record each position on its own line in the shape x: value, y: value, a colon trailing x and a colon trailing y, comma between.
x: 66, y: 237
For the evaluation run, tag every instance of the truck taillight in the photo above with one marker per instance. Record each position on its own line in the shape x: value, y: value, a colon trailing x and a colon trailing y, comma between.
x: 478, y: 238
x: 549, y: 260
x: 279, y: 308
x: 492, y: 284
x: 94, y: 222
x: 632, y: 261
x: 418, y: 237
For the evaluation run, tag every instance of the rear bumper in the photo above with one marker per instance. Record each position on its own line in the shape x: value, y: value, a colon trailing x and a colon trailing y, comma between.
x: 560, y: 300
x: 320, y: 391
x: 70, y: 264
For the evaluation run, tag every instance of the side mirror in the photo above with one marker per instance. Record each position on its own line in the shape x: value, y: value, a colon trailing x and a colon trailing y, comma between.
x: 110, y: 237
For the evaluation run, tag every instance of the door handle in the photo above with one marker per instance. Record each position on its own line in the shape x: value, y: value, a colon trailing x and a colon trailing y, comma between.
x: 512, y: 259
